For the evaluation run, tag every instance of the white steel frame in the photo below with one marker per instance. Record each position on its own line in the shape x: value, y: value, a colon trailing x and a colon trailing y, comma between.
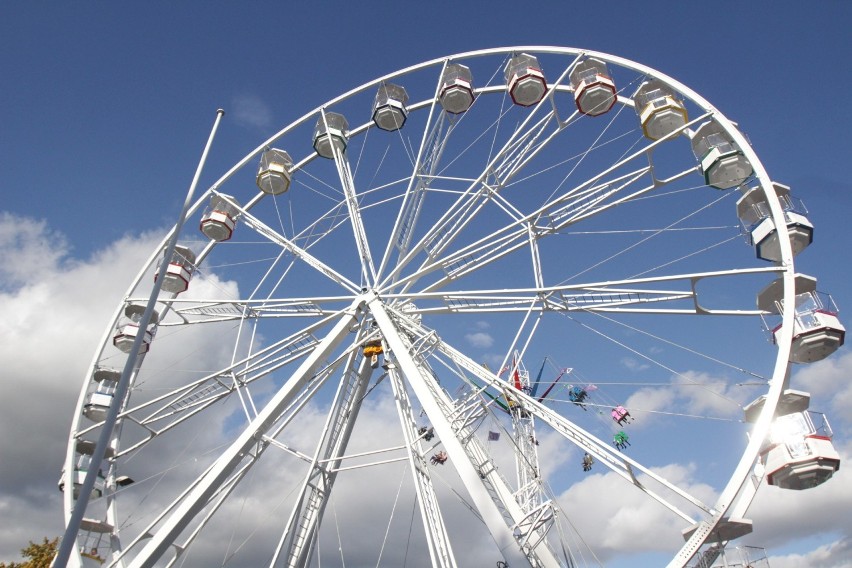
x: 381, y: 295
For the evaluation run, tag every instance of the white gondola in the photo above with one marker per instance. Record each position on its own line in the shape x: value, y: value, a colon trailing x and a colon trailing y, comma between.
x: 799, y: 453
x: 128, y: 328
x: 753, y: 211
x: 791, y: 401
x: 84, y: 451
x: 525, y: 80
x: 660, y: 111
x: 220, y: 218
x: 179, y: 271
x: 273, y: 174
x: 456, y: 94
x: 594, y: 89
x: 722, y: 162
x: 389, y: 112
x: 817, y: 331
x: 331, y: 131
x: 94, y: 542
x: 100, y: 399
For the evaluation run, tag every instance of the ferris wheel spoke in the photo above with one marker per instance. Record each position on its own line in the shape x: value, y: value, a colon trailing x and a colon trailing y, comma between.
x: 344, y: 172
x: 297, y: 251
x: 573, y: 206
x: 631, y: 295
x: 193, y: 312
x: 527, y: 139
x: 425, y: 167
x: 446, y: 230
x: 161, y: 414
x: 495, y: 501
x: 207, y: 485
x: 437, y: 537
x: 298, y: 537
x: 583, y: 201
x: 217, y: 499
x: 626, y: 295
x: 588, y: 199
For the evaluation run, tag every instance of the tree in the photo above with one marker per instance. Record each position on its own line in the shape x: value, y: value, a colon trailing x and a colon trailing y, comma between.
x: 39, y: 555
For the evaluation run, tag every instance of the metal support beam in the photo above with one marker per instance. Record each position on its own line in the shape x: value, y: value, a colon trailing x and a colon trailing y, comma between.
x: 207, y: 485
x: 298, y: 537
x: 131, y: 366
x: 495, y: 505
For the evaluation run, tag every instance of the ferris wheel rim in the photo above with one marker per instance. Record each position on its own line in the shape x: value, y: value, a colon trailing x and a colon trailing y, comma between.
x: 740, y: 476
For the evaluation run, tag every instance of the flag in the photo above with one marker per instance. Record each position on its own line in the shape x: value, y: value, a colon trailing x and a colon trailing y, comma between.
x: 493, y: 436
x: 516, y: 374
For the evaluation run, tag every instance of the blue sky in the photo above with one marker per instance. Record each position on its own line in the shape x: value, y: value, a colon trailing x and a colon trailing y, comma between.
x: 116, y: 98
x: 105, y: 108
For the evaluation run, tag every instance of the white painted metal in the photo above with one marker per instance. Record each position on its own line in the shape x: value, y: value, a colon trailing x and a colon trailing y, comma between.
x: 368, y: 271
x: 616, y: 461
x: 435, y: 258
x: 74, y: 513
x: 207, y: 485
x: 523, y: 430
x: 437, y: 537
x: 300, y: 531
x: 778, y: 383
x: 496, y: 503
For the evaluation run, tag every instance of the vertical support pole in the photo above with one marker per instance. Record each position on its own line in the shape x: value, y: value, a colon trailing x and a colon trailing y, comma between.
x: 69, y: 539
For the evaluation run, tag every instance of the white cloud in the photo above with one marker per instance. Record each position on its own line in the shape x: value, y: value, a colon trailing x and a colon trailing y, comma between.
x: 829, y: 383
x: 651, y: 400
x: 29, y: 251
x: 627, y: 520
x: 708, y: 395
x: 694, y: 393
x: 634, y: 365
x: 838, y: 554
x: 479, y: 339
x: 251, y: 111
x: 494, y: 361
x: 56, y: 310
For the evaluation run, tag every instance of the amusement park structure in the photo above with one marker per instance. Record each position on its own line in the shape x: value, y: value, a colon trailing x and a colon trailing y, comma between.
x: 307, y: 342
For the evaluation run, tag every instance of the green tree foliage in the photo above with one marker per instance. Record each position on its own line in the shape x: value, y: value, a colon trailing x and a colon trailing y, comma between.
x: 38, y: 555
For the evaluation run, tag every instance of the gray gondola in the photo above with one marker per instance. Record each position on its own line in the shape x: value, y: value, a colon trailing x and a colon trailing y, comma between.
x: 525, y: 80
x: 220, y: 218
x: 753, y: 212
x: 456, y: 94
x: 331, y: 132
x: 594, y: 89
x: 389, y: 112
x: 128, y: 327
x: 273, y: 173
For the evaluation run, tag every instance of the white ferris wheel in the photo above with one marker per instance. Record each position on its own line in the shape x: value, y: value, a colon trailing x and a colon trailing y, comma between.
x: 310, y: 388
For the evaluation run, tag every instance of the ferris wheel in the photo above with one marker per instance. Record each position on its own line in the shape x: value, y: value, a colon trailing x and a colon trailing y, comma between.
x: 310, y: 387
